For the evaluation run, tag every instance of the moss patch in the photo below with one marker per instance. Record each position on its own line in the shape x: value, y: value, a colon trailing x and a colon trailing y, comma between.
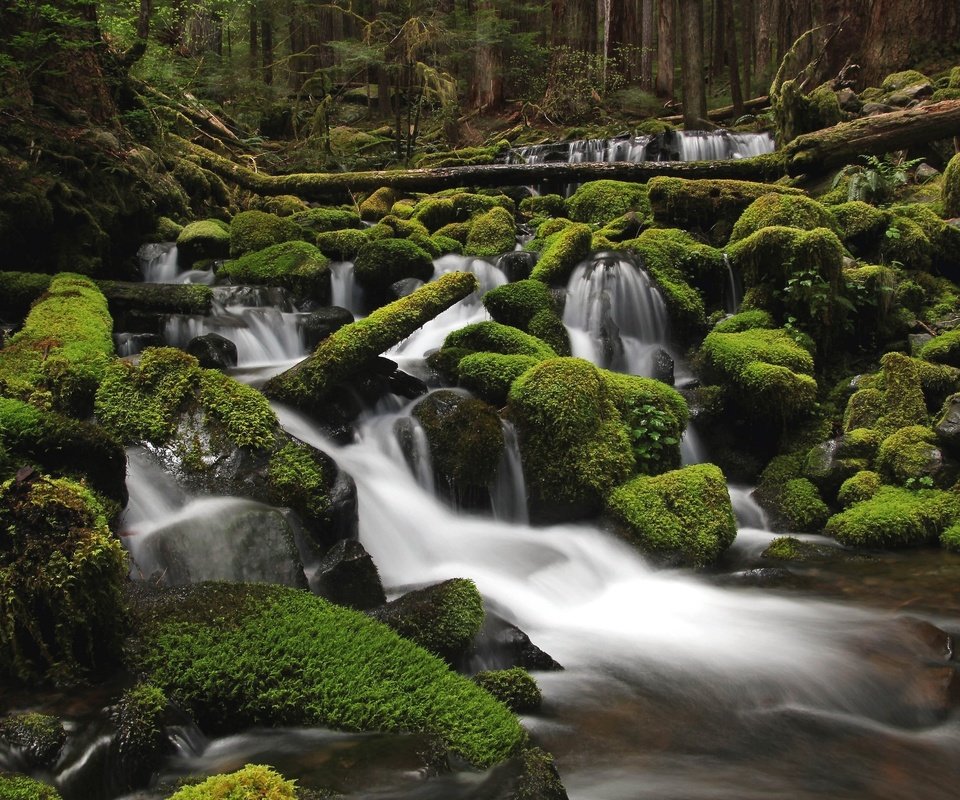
x: 895, y: 517
x: 382, y: 263
x: 208, y: 238
x: 253, y: 782
x: 601, y: 201
x: 530, y: 306
x: 515, y: 688
x: 791, y: 211
x: 862, y: 486
x: 297, y: 266
x: 562, y: 253
x: 255, y: 230
x: 489, y: 375
x: 491, y: 234
x: 20, y: 787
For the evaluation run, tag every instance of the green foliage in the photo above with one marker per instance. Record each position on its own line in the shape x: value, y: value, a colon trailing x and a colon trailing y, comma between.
x: 297, y: 266
x: 39, y: 737
x: 20, y: 787
x: 861, y: 486
x: 683, y: 517
x: 878, y: 179
x: 650, y: 431
x: 604, y: 200
x: 895, y: 517
x: 489, y: 375
x: 61, y: 612
x: 792, y: 211
x: 238, y: 655
x: 255, y: 230
x: 950, y: 538
x: 744, y: 321
x: 515, y: 688
x: 951, y: 187
x: 253, y: 782
x: 943, y: 349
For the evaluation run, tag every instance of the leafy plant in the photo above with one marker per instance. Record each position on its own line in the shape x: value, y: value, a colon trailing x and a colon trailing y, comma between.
x: 877, y: 179
x: 923, y: 482
x: 651, y: 432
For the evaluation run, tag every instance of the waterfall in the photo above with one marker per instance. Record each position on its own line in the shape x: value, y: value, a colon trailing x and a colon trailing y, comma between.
x: 733, y: 290
x: 509, y: 493
x: 345, y: 291
x: 158, y: 262
x: 615, y: 315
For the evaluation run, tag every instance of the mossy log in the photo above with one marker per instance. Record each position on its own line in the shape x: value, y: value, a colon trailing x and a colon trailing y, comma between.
x: 342, y: 186
x: 345, y: 352
x: 824, y: 150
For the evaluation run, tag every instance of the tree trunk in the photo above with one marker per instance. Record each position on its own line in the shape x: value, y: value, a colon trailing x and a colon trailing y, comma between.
x: 486, y: 83
x: 718, y: 41
x: 691, y: 44
x: 748, y: 45
x: 647, y: 45
x: 622, y: 40
x: 736, y: 95
x: 666, y: 37
x: 254, y: 41
x: 266, y: 33
x: 766, y: 40
x: 827, y: 149
x: 574, y: 24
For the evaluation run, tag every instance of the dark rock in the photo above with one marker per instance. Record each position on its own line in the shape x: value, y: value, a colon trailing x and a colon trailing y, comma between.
x: 213, y: 351
x: 948, y: 426
x: 827, y: 470
x: 924, y: 172
x: 871, y: 109
x: 405, y: 287
x: 347, y: 576
x: 917, y: 341
x: 517, y: 265
x: 130, y: 344
x: 849, y: 101
x: 322, y: 322
x: 502, y: 645
x: 663, y: 367
x: 36, y: 738
x: 407, y: 385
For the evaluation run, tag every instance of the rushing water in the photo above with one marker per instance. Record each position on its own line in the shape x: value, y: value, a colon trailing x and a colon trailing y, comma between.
x: 675, y: 686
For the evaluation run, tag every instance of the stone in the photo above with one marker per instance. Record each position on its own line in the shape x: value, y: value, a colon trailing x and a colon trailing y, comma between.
x: 517, y: 265
x: 319, y: 324
x: 347, y: 576
x: 213, y: 351
x: 849, y: 101
x: 948, y: 426
x: 663, y: 367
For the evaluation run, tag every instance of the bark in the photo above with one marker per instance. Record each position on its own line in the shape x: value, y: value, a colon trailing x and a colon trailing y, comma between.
x: 623, y: 42
x: 574, y: 24
x: 736, y: 94
x: 747, y: 50
x: 139, y: 46
x: 766, y: 40
x: 718, y: 39
x: 691, y: 43
x: 647, y: 45
x: 266, y: 33
x: 254, y: 41
x: 666, y: 37
x: 726, y: 112
x: 827, y: 149
x: 486, y: 83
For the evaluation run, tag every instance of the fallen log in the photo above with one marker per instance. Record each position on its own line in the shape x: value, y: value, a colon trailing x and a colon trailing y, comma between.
x: 725, y: 112
x: 342, y: 186
x: 824, y: 150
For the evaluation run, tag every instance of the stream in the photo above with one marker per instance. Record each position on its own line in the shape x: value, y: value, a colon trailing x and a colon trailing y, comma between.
x: 728, y: 685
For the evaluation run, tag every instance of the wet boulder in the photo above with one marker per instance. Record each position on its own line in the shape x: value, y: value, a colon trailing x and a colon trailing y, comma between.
x: 36, y: 738
x: 213, y: 351
x: 517, y: 264
x: 140, y: 742
x: 199, y: 241
x: 827, y: 470
x: 910, y: 456
x: 382, y: 263
x: 348, y: 577
x: 492, y: 233
x: 255, y: 230
x: 297, y: 266
x: 502, y: 645
x: 947, y: 427
x: 319, y: 324
x: 17, y: 786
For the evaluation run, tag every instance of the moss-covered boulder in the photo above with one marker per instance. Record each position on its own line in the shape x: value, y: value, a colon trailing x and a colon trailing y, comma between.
x: 297, y: 266
x: 382, y: 263
x: 791, y: 211
x: 573, y: 442
x: 561, y: 253
x: 895, y: 517
x: 20, y: 787
x: 491, y: 234
x: 910, y: 456
x: 489, y: 375
x: 348, y: 351
x: 465, y: 436
x: 256, y: 230
x: 62, y: 616
x: 530, y: 306
x: 322, y: 220
x: 708, y: 205
x: 765, y: 372
x: 343, y: 245
x: 860, y: 225
x: 543, y: 205
x: 601, y: 201
x: 202, y: 240
x: 38, y: 738
x: 514, y: 687
x: 60, y: 354
x: 682, y: 517
x: 745, y: 321
x: 493, y: 337
x: 862, y: 486
x: 235, y: 656
x: 434, y: 212
x: 943, y: 349
x: 253, y: 782
x: 800, y: 506
x: 140, y: 717
x: 951, y: 187
x: 378, y: 204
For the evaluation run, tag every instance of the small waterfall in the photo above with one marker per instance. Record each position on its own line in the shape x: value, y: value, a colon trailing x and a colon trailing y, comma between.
x: 748, y: 512
x: 733, y: 291
x: 615, y: 315
x: 721, y: 145
x: 345, y: 291
x: 158, y: 262
x: 509, y: 493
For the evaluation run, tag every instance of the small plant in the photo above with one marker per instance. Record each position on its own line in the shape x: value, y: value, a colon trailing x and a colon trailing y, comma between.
x: 877, y: 179
x: 651, y: 432
x: 923, y: 482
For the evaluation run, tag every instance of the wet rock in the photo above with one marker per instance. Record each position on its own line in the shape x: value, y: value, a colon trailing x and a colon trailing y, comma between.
x: 827, y: 470
x: 849, y: 101
x: 502, y: 645
x: 663, y: 367
x: 917, y: 341
x: 36, y: 738
x: 924, y: 172
x: 517, y: 265
x: 405, y: 287
x: 322, y: 322
x: 213, y: 351
x: 407, y: 385
x: 763, y: 577
x: 347, y: 576
x: 789, y: 548
x: 871, y: 109
x: 948, y: 426
x: 514, y: 687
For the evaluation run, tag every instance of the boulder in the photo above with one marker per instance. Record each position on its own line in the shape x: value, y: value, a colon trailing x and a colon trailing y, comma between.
x: 348, y: 577
x: 319, y: 324
x: 213, y: 351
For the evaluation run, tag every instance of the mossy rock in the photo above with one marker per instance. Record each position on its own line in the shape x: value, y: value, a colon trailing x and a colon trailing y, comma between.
x: 491, y: 234
x: 458, y: 231
x: 404, y: 228
x: 943, y: 349
x: 38, y: 738
x: 895, y: 517
x: 378, y: 204
x: 599, y: 202
x: 857, y: 488
x: 551, y: 205
x: 900, y: 80
x: 561, y: 253
x: 19, y: 290
x: 206, y: 239
x: 255, y: 230
x: 382, y: 263
x: 911, y: 454
x: 709, y: 205
x: 344, y: 245
x: 530, y: 306
x: 466, y: 442
x: 800, y: 506
x: 63, y: 349
x: 950, y: 538
x: 445, y: 245
x: 167, y: 230
x: 140, y: 716
x: 789, y: 548
x: 790, y: 211
x: 860, y: 224
x: 283, y: 205
x: 682, y: 517
x: 323, y: 220
x: 745, y: 321
x: 573, y: 442
x: 514, y: 687
x: 906, y: 243
x: 297, y: 266
x: 490, y: 375
x: 766, y: 371
x: 493, y: 337
x: 62, y: 617
x: 253, y: 782
x: 951, y: 187
x: 20, y: 787
x: 214, y: 647
x: 434, y: 212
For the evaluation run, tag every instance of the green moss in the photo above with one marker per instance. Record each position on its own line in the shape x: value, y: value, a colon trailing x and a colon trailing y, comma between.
x: 765, y: 370
x: 944, y: 239
x: 900, y: 80
x: 562, y: 253
x: 378, y: 204
x: 801, y: 506
x: 18, y: 291
x: 864, y: 409
x: 785, y: 548
x: 601, y: 201
x: 530, y: 306
x: 458, y: 231
x: 491, y: 234
x: 167, y: 230
x: 465, y: 437
x: 859, y: 443
x: 906, y: 244
x: 140, y: 718
x: 943, y: 349
x: 255, y: 230
x: 860, y: 224
x: 208, y: 238
x: 321, y: 220
x: 512, y: 687
x: 435, y: 212
x: 903, y: 392
x: 468, y: 204
x: 895, y: 517
x: 403, y: 208
x: 950, y: 538
x: 382, y: 263
x: 489, y: 375
x: 684, y: 516
x: 297, y: 266
x: 143, y: 403
x: 492, y: 337
x: 253, y: 782
x: 404, y: 228
x: 908, y: 453
x: 705, y: 204
x: 236, y: 656
x: 857, y: 488
x: 551, y: 205
x: 38, y: 737
x: 345, y: 244
x: 61, y: 614
x: 296, y: 478
x: 63, y: 348
x: 20, y: 787
x: 573, y: 442
x: 745, y: 321
x: 445, y: 244
x: 283, y: 205
x: 951, y: 187
x: 347, y: 350
x: 791, y: 211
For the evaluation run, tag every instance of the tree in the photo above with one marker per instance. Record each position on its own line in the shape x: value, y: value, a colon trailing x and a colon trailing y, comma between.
x: 691, y: 44
x: 666, y: 37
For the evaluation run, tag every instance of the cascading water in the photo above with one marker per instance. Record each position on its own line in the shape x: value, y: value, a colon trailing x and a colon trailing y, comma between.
x: 158, y: 262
